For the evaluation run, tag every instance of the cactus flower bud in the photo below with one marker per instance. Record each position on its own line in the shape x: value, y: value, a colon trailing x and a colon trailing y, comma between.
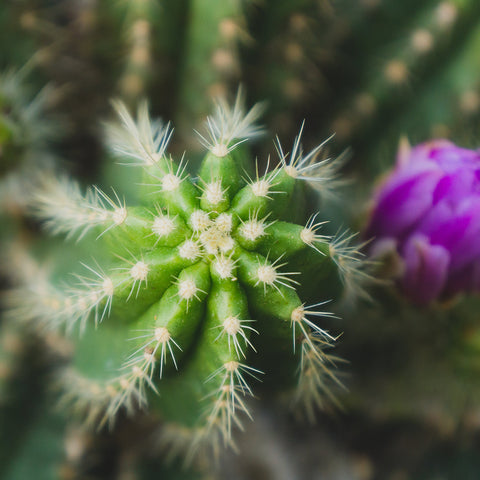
x: 428, y: 211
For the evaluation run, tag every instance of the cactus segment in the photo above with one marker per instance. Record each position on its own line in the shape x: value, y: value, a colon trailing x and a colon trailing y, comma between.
x: 202, y: 295
x: 212, y: 40
x: 139, y: 23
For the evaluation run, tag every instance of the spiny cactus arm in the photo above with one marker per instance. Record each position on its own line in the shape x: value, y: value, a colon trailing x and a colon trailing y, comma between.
x: 428, y: 116
x: 289, y: 239
x: 126, y: 357
x: 95, y: 386
x: 296, y: 171
x: 126, y: 290
x: 257, y: 194
x: 212, y: 37
x: 220, y: 174
x: 138, y: 66
x: 227, y: 129
x: 170, y: 324
x: 145, y: 278
x: 283, y: 186
x: 145, y: 228
x: 64, y: 209
x: 427, y: 42
x: 307, y: 252
x: 212, y: 389
x: 291, y: 325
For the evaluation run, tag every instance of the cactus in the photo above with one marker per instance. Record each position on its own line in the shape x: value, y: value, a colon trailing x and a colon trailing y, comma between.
x: 415, y: 74
x: 214, y: 30
x: 23, y: 137
x: 208, y: 285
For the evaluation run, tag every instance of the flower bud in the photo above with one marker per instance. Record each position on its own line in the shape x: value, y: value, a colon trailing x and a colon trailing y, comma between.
x: 427, y: 211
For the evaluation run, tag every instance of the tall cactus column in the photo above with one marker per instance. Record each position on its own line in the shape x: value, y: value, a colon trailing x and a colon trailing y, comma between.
x: 206, y: 288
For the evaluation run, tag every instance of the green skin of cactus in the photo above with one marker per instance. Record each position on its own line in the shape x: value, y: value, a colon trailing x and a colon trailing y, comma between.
x: 9, y: 150
x: 190, y: 296
x: 203, y: 39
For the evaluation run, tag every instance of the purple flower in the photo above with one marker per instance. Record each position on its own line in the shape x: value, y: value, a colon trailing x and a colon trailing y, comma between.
x: 427, y: 210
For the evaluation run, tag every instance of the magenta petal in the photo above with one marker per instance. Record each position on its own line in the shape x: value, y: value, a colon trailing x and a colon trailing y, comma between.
x: 430, y: 150
x: 429, y: 209
x: 452, y: 188
x: 402, y: 203
x: 426, y: 268
x: 456, y: 228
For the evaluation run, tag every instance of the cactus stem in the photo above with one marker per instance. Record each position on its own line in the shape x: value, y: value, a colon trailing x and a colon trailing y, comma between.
x: 66, y: 210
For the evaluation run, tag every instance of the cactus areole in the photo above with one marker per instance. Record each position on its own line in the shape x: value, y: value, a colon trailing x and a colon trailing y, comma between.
x: 211, y: 286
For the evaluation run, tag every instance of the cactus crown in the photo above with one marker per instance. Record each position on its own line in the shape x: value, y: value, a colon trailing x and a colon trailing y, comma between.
x: 209, y: 285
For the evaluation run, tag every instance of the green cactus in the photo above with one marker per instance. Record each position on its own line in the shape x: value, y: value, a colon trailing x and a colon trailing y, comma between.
x: 207, y: 286
x: 415, y: 74
x: 23, y: 136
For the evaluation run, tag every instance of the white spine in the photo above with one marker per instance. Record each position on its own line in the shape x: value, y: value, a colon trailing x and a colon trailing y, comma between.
x: 65, y: 210
x: 228, y: 127
x: 142, y: 141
